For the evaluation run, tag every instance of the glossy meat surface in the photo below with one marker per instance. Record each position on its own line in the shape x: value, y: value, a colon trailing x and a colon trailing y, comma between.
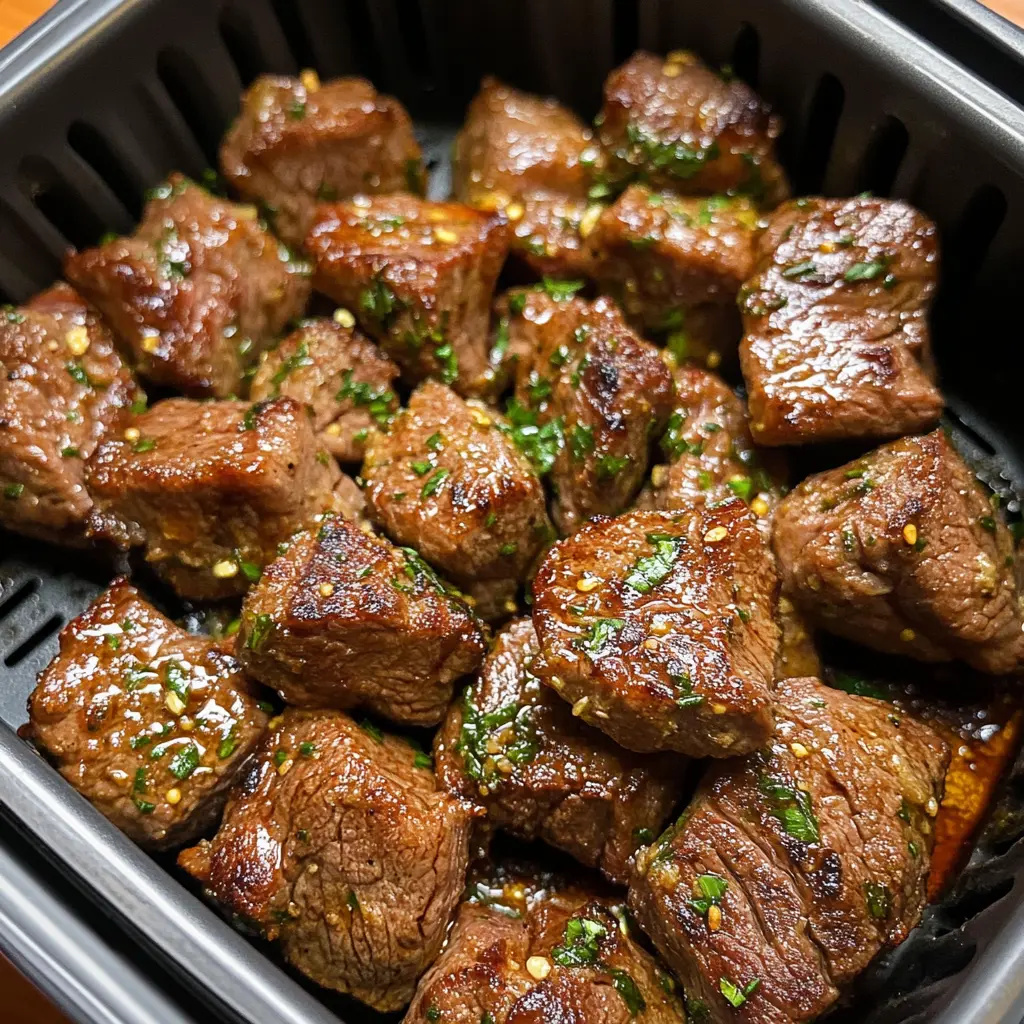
x: 447, y: 481
x: 793, y: 867
x: 340, y: 845
x: 338, y: 373
x: 418, y: 276
x: 902, y: 551
x: 196, y: 292
x: 62, y: 388
x: 658, y: 628
x: 836, y: 338
x: 147, y: 722
x: 210, y: 489
x: 298, y: 142
x: 514, y: 747
x: 345, y: 619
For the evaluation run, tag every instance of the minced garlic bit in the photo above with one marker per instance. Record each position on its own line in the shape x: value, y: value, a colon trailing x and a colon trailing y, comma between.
x: 77, y: 340
x: 310, y: 80
x: 275, y: 722
x: 151, y: 342
x: 334, y: 429
x: 538, y: 967
x: 659, y: 476
x: 910, y: 533
x: 932, y: 807
x: 590, y: 217
x: 480, y: 417
x: 326, y: 589
x: 173, y: 795
x: 186, y: 724
x: 510, y: 607
x: 799, y: 750
x: 132, y: 434
x: 714, y: 918
x: 907, y: 635
x: 174, y: 703
x: 580, y: 706
x: 786, y: 607
x: 225, y: 569
x: 680, y: 57
x: 344, y: 318
x: 585, y: 584
x: 759, y: 507
x: 660, y: 626
x: 285, y: 767
x: 715, y: 534
x: 719, y: 709
x: 651, y: 643
x: 714, y: 359
x: 445, y: 235
x: 514, y: 211
x: 670, y: 70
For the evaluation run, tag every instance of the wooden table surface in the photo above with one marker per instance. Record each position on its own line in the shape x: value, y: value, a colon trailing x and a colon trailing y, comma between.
x: 25, y: 1005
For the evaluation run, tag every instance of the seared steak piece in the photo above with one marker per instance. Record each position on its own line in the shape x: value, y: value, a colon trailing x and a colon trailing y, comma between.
x: 340, y: 845
x: 710, y: 454
x: 658, y: 628
x: 419, y: 277
x: 837, y: 343
x: 298, y: 142
x: 210, y: 489
x: 590, y: 395
x: 340, y: 374
x: 147, y: 722
x: 793, y: 867
x: 674, y: 123
x: 902, y: 551
x: 344, y: 619
x: 661, y: 256
x: 62, y: 387
x: 447, y: 481
x: 514, y: 747
x: 529, y: 948
x: 535, y: 160
x: 197, y: 292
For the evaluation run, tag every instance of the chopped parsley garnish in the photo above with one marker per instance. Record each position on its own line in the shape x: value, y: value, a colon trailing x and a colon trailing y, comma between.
x: 421, y: 467
x: 671, y: 157
x: 857, y: 686
x: 379, y: 302
x: 579, y: 946
x: 792, y: 808
x: 260, y: 628
x: 561, y: 291
x: 879, y: 900
x: 297, y: 110
x: 229, y: 743
x: 987, y: 523
x: 539, y: 443
x: 673, y: 444
x: 184, y: 762
x: 712, y: 889
x: 300, y: 357
x: 177, y: 681
x: 741, y: 486
x: 307, y: 748
x: 609, y: 466
x: 508, y: 549
x: 509, y: 727
x: 430, y: 488
x: 687, y: 699
x: 139, y: 786
x: 371, y: 730
x: 377, y: 401
x: 353, y: 900
x: 78, y: 374
x: 627, y: 988
x: 517, y: 303
x: 434, y: 441
x: 651, y: 570
x: 144, y: 444
x: 581, y: 441
x: 867, y: 271
x: 422, y: 760
x: 799, y: 270
x: 71, y: 452
x: 735, y: 995
x: 601, y: 633
x: 13, y: 491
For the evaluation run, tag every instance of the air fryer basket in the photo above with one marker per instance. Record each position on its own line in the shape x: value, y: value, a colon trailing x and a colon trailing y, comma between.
x: 117, y: 94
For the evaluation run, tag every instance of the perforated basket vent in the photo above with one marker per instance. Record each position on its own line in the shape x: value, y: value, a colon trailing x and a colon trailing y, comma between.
x: 153, y: 91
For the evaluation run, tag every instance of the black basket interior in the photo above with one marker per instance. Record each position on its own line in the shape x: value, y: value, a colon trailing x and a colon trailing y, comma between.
x: 155, y: 85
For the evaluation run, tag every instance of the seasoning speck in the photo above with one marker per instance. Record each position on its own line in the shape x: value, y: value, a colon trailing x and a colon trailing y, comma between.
x: 326, y: 589
x: 77, y: 340
x: 173, y: 796
x: 225, y: 569
x: 344, y: 318
x: 538, y: 967
x: 715, y: 534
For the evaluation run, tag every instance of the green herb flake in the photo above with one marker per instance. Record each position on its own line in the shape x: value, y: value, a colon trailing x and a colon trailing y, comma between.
x: 651, y: 570
x: 735, y: 995
x: 581, y: 441
x: 712, y: 888
x: 987, y: 523
x: 792, y: 808
x: 434, y: 441
x: 228, y: 743
x: 579, y: 946
x: 601, y: 633
x: 184, y: 762
x: 867, y: 271
x: 609, y: 466
x: 371, y: 730
x: 627, y: 988
x: 430, y: 488
x: 422, y: 760
x: 78, y: 374
x: 561, y: 291
x: 260, y: 629
x: 799, y: 270
x: 307, y: 749
x: 878, y: 899
x: 421, y: 467
x: 14, y: 491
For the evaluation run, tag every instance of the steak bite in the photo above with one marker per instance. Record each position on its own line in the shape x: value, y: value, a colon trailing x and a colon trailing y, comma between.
x: 298, y: 142
x: 147, y: 722
x: 903, y: 552
x: 446, y: 480
x: 659, y: 629
x: 528, y: 948
x: 339, y: 374
x: 793, y: 867
x: 662, y: 256
x: 340, y: 845
x: 710, y: 454
x: 836, y: 320
x: 674, y: 123
x: 62, y: 387
x: 344, y: 619
x: 197, y: 292
x: 210, y: 489
x: 590, y: 395
x: 513, y: 746
x: 535, y: 160
x: 419, y: 277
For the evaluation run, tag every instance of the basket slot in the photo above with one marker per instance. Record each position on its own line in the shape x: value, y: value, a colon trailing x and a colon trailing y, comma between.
x: 255, y: 38
x: 53, y: 197
x: 819, y: 126
x: 857, y: 124
x: 321, y: 36
x: 95, y: 149
x: 86, y: 190
x: 34, y: 640
x: 746, y: 55
x: 625, y: 29
x: 397, y: 48
x: 883, y: 157
x: 164, y: 125
x: 27, y: 260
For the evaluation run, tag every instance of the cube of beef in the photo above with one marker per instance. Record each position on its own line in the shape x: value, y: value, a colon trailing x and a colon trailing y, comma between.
x: 710, y: 454
x: 902, y: 551
x: 837, y: 343
x: 514, y: 747
x: 662, y: 256
x: 674, y: 123
x: 529, y: 947
x: 535, y: 160
x: 298, y: 142
x: 659, y: 629
x: 447, y: 481
x: 344, y: 619
x: 590, y: 395
x: 147, y: 722
x: 340, y: 375
x: 197, y: 292
x: 419, y: 277
x: 62, y: 387
x: 210, y: 489
x: 340, y: 845
x: 793, y: 867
